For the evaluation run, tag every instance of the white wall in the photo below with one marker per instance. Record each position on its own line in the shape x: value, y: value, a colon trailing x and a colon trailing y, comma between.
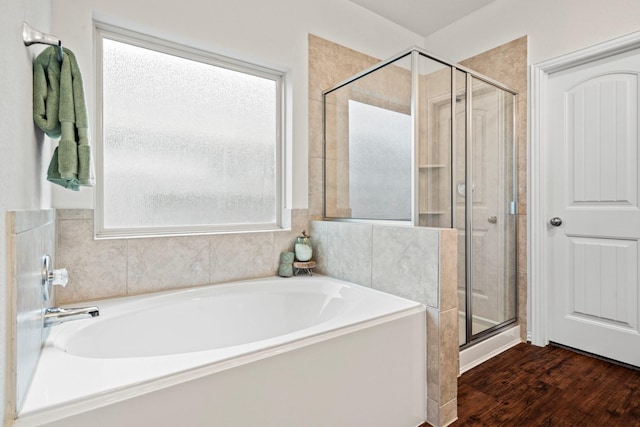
x: 269, y: 32
x: 22, y: 174
x: 554, y: 27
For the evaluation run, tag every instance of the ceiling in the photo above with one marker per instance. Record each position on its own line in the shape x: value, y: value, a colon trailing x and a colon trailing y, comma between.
x: 423, y: 16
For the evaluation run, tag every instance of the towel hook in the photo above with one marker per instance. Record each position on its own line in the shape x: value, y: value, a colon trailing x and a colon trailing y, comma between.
x: 32, y: 36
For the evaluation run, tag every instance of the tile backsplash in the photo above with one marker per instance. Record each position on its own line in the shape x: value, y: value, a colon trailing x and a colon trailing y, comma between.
x: 120, y: 267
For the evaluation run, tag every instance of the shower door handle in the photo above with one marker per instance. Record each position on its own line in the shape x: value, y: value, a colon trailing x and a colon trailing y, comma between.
x: 556, y: 221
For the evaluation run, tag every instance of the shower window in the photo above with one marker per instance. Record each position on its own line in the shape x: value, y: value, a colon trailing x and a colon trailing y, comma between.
x: 188, y: 142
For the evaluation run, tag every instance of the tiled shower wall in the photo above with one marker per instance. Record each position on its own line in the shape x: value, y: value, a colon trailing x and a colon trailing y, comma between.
x: 120, y: 267
x: 30, y: 235
x: 411, y: 262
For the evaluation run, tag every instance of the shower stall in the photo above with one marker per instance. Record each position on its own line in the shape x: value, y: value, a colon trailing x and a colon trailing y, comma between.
x: 417, y: 140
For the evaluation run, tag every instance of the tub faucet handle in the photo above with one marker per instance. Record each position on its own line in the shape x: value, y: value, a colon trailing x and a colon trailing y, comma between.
x: 50, y: 277
x: 59, y: 277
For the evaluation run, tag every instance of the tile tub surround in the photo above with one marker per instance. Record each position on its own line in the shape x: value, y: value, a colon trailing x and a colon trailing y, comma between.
x: 121, y: 267
x: 30, y: 235
x: 412, y: 262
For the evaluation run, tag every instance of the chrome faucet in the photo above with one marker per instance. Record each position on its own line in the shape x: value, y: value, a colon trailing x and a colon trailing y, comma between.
x: 56, y: 315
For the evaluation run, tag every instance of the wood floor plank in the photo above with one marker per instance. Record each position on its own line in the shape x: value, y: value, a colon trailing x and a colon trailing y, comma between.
x: 548, y: 386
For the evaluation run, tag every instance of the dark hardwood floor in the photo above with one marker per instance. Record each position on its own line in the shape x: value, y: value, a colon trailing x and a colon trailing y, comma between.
x: 548, y: 386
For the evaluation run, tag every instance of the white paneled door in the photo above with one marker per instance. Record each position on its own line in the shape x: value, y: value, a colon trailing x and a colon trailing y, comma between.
x: 593, y: 228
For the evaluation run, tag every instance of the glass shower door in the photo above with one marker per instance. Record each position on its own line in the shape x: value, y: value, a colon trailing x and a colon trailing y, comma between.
x: 492, y: 245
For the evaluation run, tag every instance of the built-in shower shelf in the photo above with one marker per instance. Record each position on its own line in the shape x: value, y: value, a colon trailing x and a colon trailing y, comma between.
x: 434, y: 166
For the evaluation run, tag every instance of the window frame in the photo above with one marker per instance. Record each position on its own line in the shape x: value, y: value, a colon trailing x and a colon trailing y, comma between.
x: 118, y: 34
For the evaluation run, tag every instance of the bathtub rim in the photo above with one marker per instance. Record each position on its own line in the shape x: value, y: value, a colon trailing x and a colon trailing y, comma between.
x: 58, y: 411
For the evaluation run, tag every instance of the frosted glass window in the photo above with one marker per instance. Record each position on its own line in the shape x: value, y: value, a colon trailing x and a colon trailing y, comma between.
x: 187, y: 143
x: 379, y: 162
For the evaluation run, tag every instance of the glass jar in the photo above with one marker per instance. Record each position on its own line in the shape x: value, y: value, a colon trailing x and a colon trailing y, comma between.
x: 303, y: 248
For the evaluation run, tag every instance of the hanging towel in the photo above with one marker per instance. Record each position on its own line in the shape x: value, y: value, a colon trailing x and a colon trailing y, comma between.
x: 71, y: 165
x: 46, y: 92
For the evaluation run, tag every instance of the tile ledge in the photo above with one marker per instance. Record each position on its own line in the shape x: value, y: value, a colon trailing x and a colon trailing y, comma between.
x: 20, y: 221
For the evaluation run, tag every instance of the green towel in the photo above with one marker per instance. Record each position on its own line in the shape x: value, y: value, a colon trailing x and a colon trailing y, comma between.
x: 46, y: 92
x: 59, y: 110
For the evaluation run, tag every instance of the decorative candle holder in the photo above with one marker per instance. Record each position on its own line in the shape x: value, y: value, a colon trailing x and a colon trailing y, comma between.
x: 303, y: 248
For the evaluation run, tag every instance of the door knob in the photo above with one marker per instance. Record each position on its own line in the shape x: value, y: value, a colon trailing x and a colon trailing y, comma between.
x: 555, y: 221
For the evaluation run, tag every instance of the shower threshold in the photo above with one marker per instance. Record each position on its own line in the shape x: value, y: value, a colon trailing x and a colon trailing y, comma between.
x: 484, y: 350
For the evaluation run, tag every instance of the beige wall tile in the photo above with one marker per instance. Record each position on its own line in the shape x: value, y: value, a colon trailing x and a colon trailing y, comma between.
x: 522, y: 304
x: 433, y: 412
x: 522, y: 186
x: 405, y: 263
x: 449, y: 355
x: 448, y: 269
x: 442, y: 366
x: 522, y: 242
x: 349, y: 252
x: 242, y: 256
x: 316, y: 126
x: 74, y: 213
x: 158, y: 264
x: 118, y: 267
x: 319, y: 235
x: 433, y: 354
x: 448, y: 412
x: 315, y: 186
x: 330, y: 64
x: 97, y: 268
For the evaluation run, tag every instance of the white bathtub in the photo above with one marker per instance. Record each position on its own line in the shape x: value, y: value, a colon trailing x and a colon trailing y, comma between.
x: 302, y: 351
